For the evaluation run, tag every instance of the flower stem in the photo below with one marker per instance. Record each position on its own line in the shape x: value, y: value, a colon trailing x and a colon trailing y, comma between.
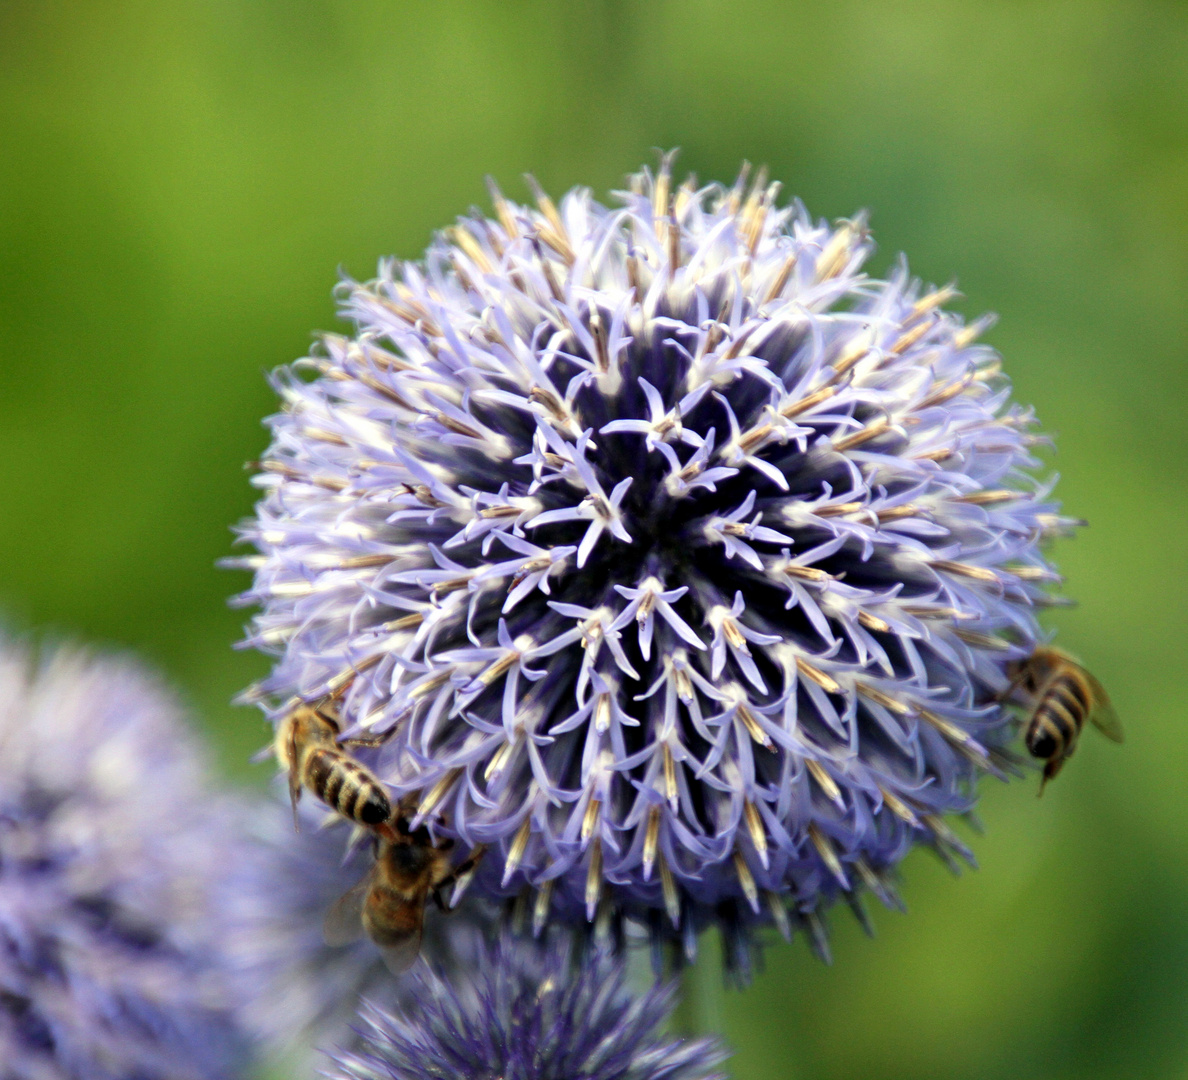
x: 699, y: 1008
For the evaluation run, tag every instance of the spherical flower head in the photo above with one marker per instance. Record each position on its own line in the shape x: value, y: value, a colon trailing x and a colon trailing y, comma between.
x: 679, y: 562
x: 525, y: 1012
x: 112, y: 856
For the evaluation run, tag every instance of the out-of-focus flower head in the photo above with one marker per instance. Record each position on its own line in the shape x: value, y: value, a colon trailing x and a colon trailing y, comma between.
x: 113, y: 881
x: 679, y: 561
x: 524, y: 1012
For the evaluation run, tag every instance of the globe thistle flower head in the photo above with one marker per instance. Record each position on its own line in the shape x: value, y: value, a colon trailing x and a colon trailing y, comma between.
x: 112, y: 849
x: 678, y: 561
x: 526, y: 1013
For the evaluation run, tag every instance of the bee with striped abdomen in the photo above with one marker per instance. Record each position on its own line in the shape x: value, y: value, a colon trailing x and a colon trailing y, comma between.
x: 307, y: 746
x: 1061, y: 695
x: 389, y: 903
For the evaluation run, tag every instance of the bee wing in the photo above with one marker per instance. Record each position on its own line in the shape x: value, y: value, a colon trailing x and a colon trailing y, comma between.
x: 1102, y: 715
x: 400, y: 957
x: 399, y: 939
x: 1106, y: 721
x: 344, y: 920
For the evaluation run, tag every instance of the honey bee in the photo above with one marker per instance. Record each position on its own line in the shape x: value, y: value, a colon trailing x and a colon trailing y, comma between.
x: 307, y: 746
x: 389, y: 903
x: 1062, y: 695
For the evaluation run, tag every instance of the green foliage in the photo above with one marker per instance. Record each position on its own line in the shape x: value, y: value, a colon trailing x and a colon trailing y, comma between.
x: 180, y: 179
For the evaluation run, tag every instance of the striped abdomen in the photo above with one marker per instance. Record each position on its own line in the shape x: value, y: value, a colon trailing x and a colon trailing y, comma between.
x: 1059, y: 715
x: 345, y: 785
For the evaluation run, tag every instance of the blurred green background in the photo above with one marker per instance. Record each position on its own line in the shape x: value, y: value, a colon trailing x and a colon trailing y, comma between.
x: 179, y: 182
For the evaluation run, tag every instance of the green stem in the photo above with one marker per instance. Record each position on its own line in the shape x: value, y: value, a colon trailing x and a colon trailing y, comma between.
x: 699, y: 1006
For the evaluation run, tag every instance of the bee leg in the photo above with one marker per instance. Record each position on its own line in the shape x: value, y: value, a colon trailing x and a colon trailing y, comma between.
x: 294, y: 776
x: 1012, y: 686
x: 378, y: 740
x: 294, y: 798
x: 463, y: 874
x: 467, y: 865
x: 460, y: 876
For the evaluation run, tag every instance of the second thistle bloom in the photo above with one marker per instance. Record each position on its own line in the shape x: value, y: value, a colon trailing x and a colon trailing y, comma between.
x: 679, y: 561
x: 520, y: 1012
x: 124, y: 880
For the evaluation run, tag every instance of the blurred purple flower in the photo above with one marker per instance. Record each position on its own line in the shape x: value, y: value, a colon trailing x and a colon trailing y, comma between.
x: 114, y: 881
x: 525, y: 1012
x: 679, y: 561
